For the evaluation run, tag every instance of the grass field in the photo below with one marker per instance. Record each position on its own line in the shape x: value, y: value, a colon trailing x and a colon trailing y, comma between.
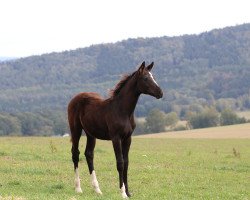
x: 41, y: 168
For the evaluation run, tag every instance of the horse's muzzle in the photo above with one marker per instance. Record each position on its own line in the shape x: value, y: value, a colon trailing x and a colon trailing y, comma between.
x: 159, y: 95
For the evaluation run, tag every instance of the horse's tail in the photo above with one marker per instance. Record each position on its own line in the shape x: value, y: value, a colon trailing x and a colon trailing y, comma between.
x: 75, y: 107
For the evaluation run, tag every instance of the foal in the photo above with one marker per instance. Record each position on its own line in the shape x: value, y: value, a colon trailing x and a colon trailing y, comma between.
x: 109, y: 119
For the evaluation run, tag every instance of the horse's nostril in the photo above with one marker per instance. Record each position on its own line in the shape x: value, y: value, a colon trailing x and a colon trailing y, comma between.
x: 160, y: 94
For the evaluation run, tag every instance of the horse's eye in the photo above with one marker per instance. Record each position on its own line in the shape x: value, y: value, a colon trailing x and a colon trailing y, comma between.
x: 145, y: 78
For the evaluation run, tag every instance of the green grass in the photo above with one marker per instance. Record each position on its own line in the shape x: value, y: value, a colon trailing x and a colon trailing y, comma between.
x: 41, y: 168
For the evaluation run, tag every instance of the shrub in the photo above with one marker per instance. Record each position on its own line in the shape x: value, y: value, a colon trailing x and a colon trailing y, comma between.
x: 9, y: 125
x: 207, y: 118
x: 140, y: 128
x: 228, y: 117
x: 180, y: 128
x: 155, y: 121
x: 171, y: 119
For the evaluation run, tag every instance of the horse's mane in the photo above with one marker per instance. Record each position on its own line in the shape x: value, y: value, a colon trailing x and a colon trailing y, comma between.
x: 114, y: 92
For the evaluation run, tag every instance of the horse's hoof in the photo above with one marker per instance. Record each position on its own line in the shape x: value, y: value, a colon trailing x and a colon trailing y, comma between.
x: 78, y: 190
x: 98, y: 191
x: 128, y: 194
x: 124, y: 196
x: 123, y: 192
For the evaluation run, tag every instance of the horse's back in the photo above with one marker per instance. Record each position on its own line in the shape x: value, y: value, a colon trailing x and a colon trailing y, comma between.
x: 79, y: 102
x: 84, y: 98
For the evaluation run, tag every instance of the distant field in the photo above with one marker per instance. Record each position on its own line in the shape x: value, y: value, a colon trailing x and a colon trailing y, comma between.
x: 234, y: 131
x: 41, y: 168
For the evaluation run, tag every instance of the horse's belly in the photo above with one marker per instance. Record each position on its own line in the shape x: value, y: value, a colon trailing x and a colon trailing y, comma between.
x: 97, y: 132
x: 103, y: 136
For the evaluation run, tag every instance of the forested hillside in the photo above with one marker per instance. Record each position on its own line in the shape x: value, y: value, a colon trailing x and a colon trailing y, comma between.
x: 212, y: 68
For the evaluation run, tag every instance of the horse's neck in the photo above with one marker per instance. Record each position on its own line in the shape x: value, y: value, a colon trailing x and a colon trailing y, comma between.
x: 128, y: 98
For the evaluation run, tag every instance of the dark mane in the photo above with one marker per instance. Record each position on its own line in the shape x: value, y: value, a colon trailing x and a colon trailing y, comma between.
x: 114, y: 92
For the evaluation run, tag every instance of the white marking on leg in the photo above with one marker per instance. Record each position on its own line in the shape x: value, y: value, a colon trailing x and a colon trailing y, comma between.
x: 77, y: 182
x: 153, y: 78
x: 95, y: 183
x: 123, y: 191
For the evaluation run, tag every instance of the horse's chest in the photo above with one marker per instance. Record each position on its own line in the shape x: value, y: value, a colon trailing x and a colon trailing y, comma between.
x: 115, y: 124
x: 128, y: 129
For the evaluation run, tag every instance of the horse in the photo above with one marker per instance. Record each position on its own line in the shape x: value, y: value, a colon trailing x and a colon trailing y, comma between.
x: 109, y: 119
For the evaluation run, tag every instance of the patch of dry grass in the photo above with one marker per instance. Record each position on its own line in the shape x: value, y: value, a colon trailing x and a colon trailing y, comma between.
x: 233, y: 131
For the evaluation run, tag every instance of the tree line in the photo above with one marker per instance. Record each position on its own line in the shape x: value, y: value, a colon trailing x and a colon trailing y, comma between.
x: 33, y: 124
x: 49, y: 123
x: 158, y: 121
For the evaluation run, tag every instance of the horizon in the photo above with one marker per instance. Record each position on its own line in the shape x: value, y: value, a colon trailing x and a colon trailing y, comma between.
x: 8, y: 58
x: 35, y: 28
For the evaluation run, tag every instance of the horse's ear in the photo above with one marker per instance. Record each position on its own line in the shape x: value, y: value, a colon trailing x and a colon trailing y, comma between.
x: 150, y: 66
x: 141, y: 68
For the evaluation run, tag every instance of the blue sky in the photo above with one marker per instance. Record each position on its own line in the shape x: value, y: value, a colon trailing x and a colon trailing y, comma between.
x: 33, y: 27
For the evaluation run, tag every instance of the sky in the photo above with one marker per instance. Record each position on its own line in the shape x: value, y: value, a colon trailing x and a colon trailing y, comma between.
x: 34, y: 27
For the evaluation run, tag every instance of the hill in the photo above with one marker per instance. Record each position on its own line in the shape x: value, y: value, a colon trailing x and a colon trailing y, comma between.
x: 222, y: 132
x: 212, y: 68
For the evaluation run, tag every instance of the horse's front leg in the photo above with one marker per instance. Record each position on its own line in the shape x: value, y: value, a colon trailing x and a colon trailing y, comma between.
x: 125, y: 150
x: 117, y: 145
x: 89, y: 154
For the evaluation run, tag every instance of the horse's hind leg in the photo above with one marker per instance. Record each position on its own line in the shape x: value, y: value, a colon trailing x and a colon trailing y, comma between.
x: 89, y: 154
x: 75, y: 137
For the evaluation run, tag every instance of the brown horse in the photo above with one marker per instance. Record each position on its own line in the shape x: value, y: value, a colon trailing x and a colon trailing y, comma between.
x: 109, y: 119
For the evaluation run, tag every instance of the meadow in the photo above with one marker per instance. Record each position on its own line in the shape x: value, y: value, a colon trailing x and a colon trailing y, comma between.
x: 160, y: 168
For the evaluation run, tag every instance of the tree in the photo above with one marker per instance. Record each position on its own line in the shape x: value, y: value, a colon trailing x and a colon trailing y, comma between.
x: 228, y: 117
x: 155, y: 121
x: 59, y: 121
x: 9, y: 125
x: 35, y: 124
x: 171, y: 119
x: 140, y: 127
x: 207, y: 118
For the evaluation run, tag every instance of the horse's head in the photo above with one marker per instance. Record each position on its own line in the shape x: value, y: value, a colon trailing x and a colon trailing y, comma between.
x: 146, y: 83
